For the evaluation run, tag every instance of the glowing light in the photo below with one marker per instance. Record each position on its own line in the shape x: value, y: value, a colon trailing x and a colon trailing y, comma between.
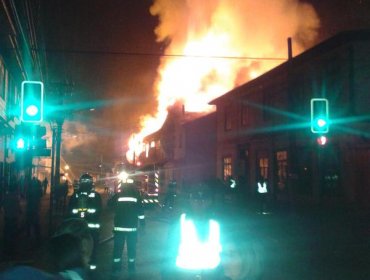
x: 322, y: 140
x: 321, y: 122
x: 233, y: 183
x: 32, y: 110
x: 20, y: 143
x: 195, y: 254
x: 122, y: 176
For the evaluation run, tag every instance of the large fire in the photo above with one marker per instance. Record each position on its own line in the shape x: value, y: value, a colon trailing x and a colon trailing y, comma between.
x: 216, y: 45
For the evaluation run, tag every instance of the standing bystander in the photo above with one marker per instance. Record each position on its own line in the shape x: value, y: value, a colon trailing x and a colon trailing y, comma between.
x: 34, y: 194
x: 45, y: 184
x: 12, y: 211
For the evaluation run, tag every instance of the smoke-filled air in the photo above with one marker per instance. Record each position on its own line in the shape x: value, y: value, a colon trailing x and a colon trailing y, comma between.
x: 213, y: 46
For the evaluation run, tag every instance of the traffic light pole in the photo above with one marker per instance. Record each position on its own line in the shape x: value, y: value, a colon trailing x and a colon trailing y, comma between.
x: 51, y: 203
x: 56, y: 124
x: 57, y: 151
x: 55, y: 166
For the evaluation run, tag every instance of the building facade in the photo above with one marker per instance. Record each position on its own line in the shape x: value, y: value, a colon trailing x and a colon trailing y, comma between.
x: 263, y: 126
x: 19, y: 60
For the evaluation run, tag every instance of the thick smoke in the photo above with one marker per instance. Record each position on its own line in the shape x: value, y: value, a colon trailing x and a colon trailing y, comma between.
x: 78, y: 135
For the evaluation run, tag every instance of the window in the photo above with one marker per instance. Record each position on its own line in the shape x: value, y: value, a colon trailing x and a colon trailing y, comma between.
x: 227, y: 168
x: 264, y: 166
x: 245, y: 117
x: 227, y: 118
x: 282, y: 163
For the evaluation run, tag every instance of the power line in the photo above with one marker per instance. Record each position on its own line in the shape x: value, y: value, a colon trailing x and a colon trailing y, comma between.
x: 123, y: 53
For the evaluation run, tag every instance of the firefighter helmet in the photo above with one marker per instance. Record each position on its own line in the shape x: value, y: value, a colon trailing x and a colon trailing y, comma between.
x: 86, y: 182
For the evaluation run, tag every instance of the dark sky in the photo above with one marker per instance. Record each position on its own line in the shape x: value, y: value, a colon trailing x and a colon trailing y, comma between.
x: 107, y: 49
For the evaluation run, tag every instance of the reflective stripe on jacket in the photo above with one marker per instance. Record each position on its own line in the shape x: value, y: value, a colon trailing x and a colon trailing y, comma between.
x: 89, y: 210
x: 262, y: 188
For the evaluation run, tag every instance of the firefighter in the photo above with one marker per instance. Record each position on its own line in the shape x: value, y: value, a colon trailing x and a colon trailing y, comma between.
x: 86, y: 203
x: 194, y: 242
x: 169, y: 199
x: 262, y: 190
x: 128, y: 211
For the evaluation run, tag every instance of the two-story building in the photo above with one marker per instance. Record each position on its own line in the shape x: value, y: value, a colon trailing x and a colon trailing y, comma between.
x: 182, y: 150
x: 263, y: 126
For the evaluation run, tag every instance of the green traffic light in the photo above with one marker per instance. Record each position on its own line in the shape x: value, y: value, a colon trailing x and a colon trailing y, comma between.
x: 321, y: 122
x: 32, y: 99
x: 20, y: 144
x: 32, y: 110
x: 319, y: 115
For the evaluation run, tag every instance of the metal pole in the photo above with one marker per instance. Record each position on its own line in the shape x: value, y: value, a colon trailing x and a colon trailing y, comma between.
x: 58, y: 146
x: 52, y: 179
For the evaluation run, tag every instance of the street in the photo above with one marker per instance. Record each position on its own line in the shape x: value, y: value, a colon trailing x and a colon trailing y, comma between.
x: 304, y: 244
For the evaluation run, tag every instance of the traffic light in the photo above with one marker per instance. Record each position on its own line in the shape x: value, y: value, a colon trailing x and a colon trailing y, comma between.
x: 320, y: 115
x: 32, y: 101
x: 38, y: 137
x: 21, y: 139
x: 20, y: 143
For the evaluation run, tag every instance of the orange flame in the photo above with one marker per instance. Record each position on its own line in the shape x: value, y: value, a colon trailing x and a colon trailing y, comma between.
x: 217, y: 45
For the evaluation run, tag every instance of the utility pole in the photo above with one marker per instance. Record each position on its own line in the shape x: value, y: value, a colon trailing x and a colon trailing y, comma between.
x: 59, y: 130
x: 291, y: 179
x: 56, y: 124
x: 52, y: 181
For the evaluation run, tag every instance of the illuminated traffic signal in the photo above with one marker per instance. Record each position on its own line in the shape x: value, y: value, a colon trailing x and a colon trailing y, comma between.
x: 20, y: 143
x: 320, y: 115
x: 32, y: 101
x: 21, y: 139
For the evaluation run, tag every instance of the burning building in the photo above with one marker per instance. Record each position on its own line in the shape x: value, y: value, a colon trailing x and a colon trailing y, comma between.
x: 210, y: 47
x: 182, y: 150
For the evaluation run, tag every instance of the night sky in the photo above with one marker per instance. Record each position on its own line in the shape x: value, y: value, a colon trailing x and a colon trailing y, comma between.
x: 108, y: 51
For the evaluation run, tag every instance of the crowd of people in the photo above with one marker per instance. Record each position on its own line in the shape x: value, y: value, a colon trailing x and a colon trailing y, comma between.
x: 21, y: 212
x: 65, y: 254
